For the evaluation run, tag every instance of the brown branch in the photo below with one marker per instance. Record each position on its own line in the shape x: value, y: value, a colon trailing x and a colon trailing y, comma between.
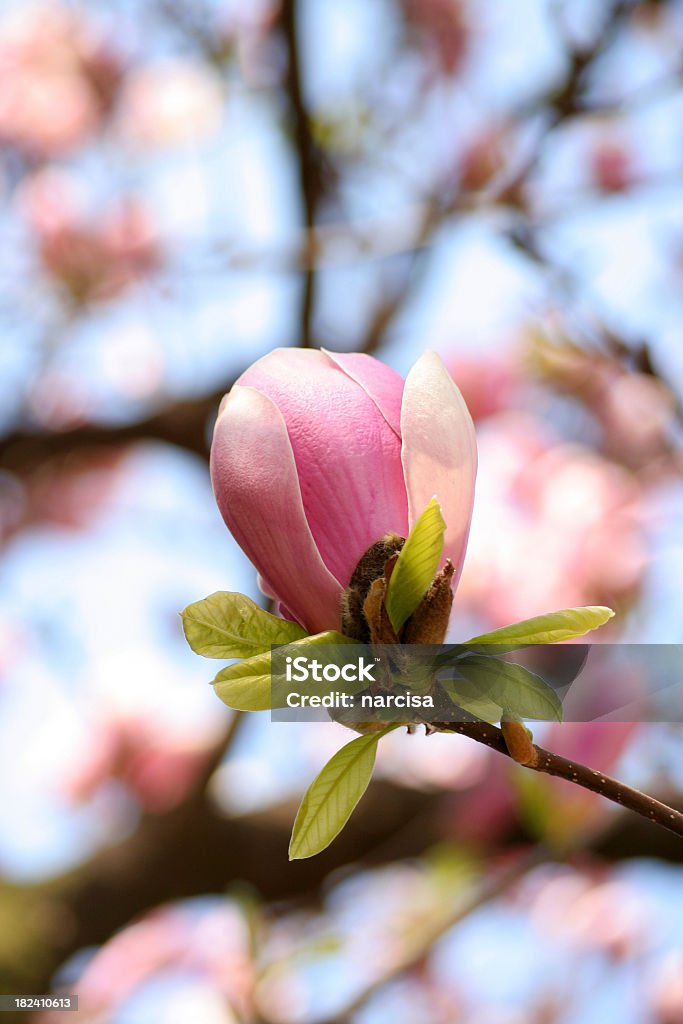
x: 308, y: 159
x: 186, y: 424
x: 220, y: 751
x: 191, y: 850
x: 389, y: 308
x: 568, y: 100
x: 544, y: 761
x: 194, y: 849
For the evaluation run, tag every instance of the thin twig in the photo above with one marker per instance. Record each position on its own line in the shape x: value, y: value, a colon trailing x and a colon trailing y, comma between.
x: 220, y: 750
x: 548, y: 763
x: 307, y: 157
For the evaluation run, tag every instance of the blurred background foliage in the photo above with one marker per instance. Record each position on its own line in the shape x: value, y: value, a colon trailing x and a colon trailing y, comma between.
x: 184, y: 185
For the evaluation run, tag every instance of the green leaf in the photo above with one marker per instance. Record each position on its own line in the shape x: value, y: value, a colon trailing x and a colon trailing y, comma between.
x: 468, y: 696
x: 416, y: 565
x: 248, y: 685
x: 330, y: 799
x: 228, y: 625
x: 550, y: 628
x: 517, y: 691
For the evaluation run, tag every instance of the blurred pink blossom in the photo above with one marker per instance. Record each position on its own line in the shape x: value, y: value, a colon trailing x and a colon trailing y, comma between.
x: 607, y: 915
x: 666, y: 990
x: 612, y: 166
x: 489, y: 162
x: 211, y: 943
x: 634, y: 410
x: 157, y: 765
x: 482, y: 160
x: 92, y: 256
x: 58, y: 78
x: 557, y: 526
x: 70, y: 492
x: 489, y: 383
x: 443, y: 29
x: 171, y: 102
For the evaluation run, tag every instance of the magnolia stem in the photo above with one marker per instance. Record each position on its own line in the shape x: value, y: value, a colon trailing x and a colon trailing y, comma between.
x: 553, y: 764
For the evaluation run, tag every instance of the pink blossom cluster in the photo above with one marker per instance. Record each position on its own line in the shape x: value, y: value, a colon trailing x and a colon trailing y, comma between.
x: 93, y: 256
x: 557, y: 523
x: 155, y: 764
x: 209, y: 944
x: 58, y: 79
x: 633, y: 409
x: 443, y: 29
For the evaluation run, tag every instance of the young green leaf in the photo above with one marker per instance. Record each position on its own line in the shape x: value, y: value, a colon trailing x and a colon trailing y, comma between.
x: 467, y: 695
x: 550, y: 628
x: 228, y: 625
x: 416, y: 565
x: 330, y: 799
x: 517, y: 691
x: 247, y: 685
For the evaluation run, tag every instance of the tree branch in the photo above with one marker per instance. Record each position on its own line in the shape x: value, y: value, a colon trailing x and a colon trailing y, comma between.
x: 567, y: 100
x: 185, y: 424
x: 307, y: 156
x: 546, y: 762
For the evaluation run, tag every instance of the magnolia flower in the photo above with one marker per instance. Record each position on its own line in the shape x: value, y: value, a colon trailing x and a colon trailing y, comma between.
x: 318, y: 455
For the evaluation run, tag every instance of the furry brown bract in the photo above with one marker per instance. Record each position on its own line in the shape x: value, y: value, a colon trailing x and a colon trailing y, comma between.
x: 364, y: 616
x: 370, y: 569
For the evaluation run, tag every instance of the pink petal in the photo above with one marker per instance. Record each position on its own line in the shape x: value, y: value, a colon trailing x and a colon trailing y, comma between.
x: 265, y: 587
x: 347, y: 456
x: 379, y: 381
x: 439, y: 451
x: 257, y: 489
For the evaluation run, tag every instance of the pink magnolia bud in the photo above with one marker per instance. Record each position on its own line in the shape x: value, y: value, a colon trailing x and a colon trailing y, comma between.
x: 317, y: 455
x: 612, y: 167
x: 444, y: 28
x: 484, y: 158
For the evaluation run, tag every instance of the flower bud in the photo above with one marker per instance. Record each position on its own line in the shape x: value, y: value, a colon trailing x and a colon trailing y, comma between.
x: 317, y: 456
